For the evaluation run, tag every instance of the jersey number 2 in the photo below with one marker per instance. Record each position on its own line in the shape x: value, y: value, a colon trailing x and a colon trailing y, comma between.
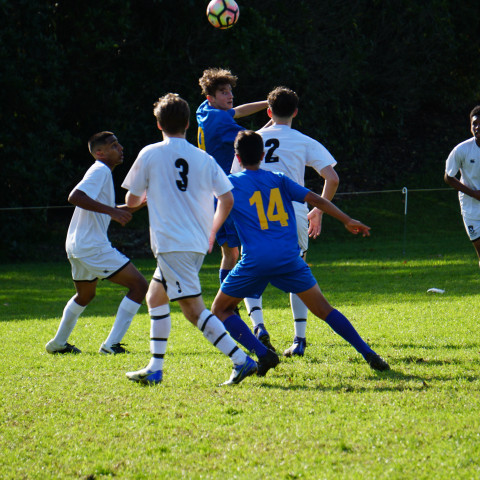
x: 272, y: 145
x: 275, y: 211
x: 182, y: 166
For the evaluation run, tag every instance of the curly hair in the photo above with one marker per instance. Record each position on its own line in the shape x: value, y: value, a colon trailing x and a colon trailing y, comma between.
x: 212, y: 78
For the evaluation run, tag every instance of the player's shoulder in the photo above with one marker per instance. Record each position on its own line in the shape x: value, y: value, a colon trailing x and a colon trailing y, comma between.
x: 466, y: 147
x: 98, y: 168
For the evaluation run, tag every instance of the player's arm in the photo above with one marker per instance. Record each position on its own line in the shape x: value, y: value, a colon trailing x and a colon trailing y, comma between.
x: 461, y: 187
x: 134, y: 202
x: 82, y: 200
x: 329, y: 189
x: 353, y: 226
x: 224, y: 206
x: 250, y: 108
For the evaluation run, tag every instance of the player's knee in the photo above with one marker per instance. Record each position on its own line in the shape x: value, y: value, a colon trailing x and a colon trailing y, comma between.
x: 84, y: 298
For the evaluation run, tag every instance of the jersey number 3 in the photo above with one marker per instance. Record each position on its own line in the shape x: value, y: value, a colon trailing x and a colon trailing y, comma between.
x: 182, y: 166
x: 275, y: 211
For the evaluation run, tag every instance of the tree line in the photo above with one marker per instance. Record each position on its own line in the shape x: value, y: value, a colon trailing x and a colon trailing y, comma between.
x: 385, y: 86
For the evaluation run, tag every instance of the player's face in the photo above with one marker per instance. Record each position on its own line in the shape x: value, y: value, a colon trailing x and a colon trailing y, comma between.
x: 476, y: 128
x: 112, y: 152
x: 223, y: 98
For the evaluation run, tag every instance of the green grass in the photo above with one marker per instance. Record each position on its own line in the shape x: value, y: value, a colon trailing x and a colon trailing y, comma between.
x: 323, y: 416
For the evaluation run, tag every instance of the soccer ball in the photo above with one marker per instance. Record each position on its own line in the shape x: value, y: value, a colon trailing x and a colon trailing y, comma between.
x: 223, y: 13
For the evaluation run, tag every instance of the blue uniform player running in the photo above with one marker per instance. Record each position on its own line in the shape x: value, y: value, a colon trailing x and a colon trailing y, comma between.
x: 265, y: 222
x: 217, y: 130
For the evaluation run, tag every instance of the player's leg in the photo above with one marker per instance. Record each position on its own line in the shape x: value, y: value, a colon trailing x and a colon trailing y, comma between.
x: 224, y: 308
x: 128, y: 276
x: 214, y: 331
x: 476, y: 244
x: 299, y: 309
x: 85, y: 292
x: 227, y: 237
x: 319, y: 306
x: 160, y: 326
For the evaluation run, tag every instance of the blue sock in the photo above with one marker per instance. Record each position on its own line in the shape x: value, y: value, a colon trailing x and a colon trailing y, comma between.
x: 239, y: 331
x: 222, y: 274
x: 340, y: 324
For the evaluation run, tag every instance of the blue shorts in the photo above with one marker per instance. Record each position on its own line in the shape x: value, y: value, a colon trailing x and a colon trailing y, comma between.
x: 228, y: 234
x: 251, y: 282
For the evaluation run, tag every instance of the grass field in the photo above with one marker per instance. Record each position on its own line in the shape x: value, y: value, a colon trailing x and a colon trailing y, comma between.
x: 324, y: 416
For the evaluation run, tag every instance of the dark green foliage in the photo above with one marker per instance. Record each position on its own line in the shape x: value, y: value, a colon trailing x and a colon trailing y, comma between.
x: 386, y: 86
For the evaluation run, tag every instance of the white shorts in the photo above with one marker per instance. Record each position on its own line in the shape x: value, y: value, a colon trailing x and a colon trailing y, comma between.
x: 178, y: 271
x: 103, y: 265
x: 301, y: 212
x: 472, y: 227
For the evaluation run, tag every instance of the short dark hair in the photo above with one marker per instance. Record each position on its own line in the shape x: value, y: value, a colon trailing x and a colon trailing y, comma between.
x: 475, y: 112
x: 98, y: 140
x: 172, y: 113
x: 213, y: 78
x: 282, y: 102
x: 249, y: 147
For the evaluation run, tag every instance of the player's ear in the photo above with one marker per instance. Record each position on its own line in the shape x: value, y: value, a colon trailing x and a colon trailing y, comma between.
x: 295, y: 113
x: 158, y: 125
x: 99, y: 154
x: 269, y: 112
x: 237, y: 156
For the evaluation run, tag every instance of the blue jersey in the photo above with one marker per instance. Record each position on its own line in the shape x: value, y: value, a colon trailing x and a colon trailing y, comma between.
x: 217, y: 131
x: 265, y: 218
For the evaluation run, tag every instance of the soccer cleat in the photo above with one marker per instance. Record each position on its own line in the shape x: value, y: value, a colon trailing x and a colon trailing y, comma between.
x: 146, y: 376
x: 268, y: 361
x: 113, y: 350
x: 240, y: 372
x: 297, y: 348
x: 376, y: 362
x: 54, y: 348
x: 263, y: 336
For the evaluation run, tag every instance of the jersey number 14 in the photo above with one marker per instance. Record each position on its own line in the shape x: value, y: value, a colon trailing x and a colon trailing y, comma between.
x: 275, y: 211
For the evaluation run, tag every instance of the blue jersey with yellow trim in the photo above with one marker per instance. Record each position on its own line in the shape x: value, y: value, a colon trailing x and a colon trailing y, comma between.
x: 265, y: 218
x: 217, y: 131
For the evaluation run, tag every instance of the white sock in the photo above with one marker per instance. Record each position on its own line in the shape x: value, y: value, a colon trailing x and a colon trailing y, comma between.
x: 71, y: 312
x: 300, y: 313
x: 160, y: 326
x: 125, y: 313
x: 214, y: 331
x: 254, y: 310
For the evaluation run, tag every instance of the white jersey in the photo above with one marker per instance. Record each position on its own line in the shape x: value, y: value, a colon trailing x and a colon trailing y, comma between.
x: 87, y: 233
x: 180, y: 181
x: 465, y: 158
x: 289, y: 151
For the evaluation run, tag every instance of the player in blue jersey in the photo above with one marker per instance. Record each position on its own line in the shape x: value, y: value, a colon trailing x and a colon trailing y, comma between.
x: 217, y: 130
x: 265, y: 221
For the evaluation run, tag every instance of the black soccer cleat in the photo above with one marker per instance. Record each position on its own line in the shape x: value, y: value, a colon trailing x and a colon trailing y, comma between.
x: 53, y: 348
x: 265, y: 363
x: 376, y: 362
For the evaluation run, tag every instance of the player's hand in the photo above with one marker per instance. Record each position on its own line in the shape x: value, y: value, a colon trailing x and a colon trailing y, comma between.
x: 121, y: 216
x: 314, y: 222
x: 211, y: 242
x: 356, y: 227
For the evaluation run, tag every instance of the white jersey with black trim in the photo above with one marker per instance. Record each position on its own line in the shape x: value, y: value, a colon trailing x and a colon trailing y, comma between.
x: 180, y: 181
x: 465, y: 157
x: 87, y: 233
